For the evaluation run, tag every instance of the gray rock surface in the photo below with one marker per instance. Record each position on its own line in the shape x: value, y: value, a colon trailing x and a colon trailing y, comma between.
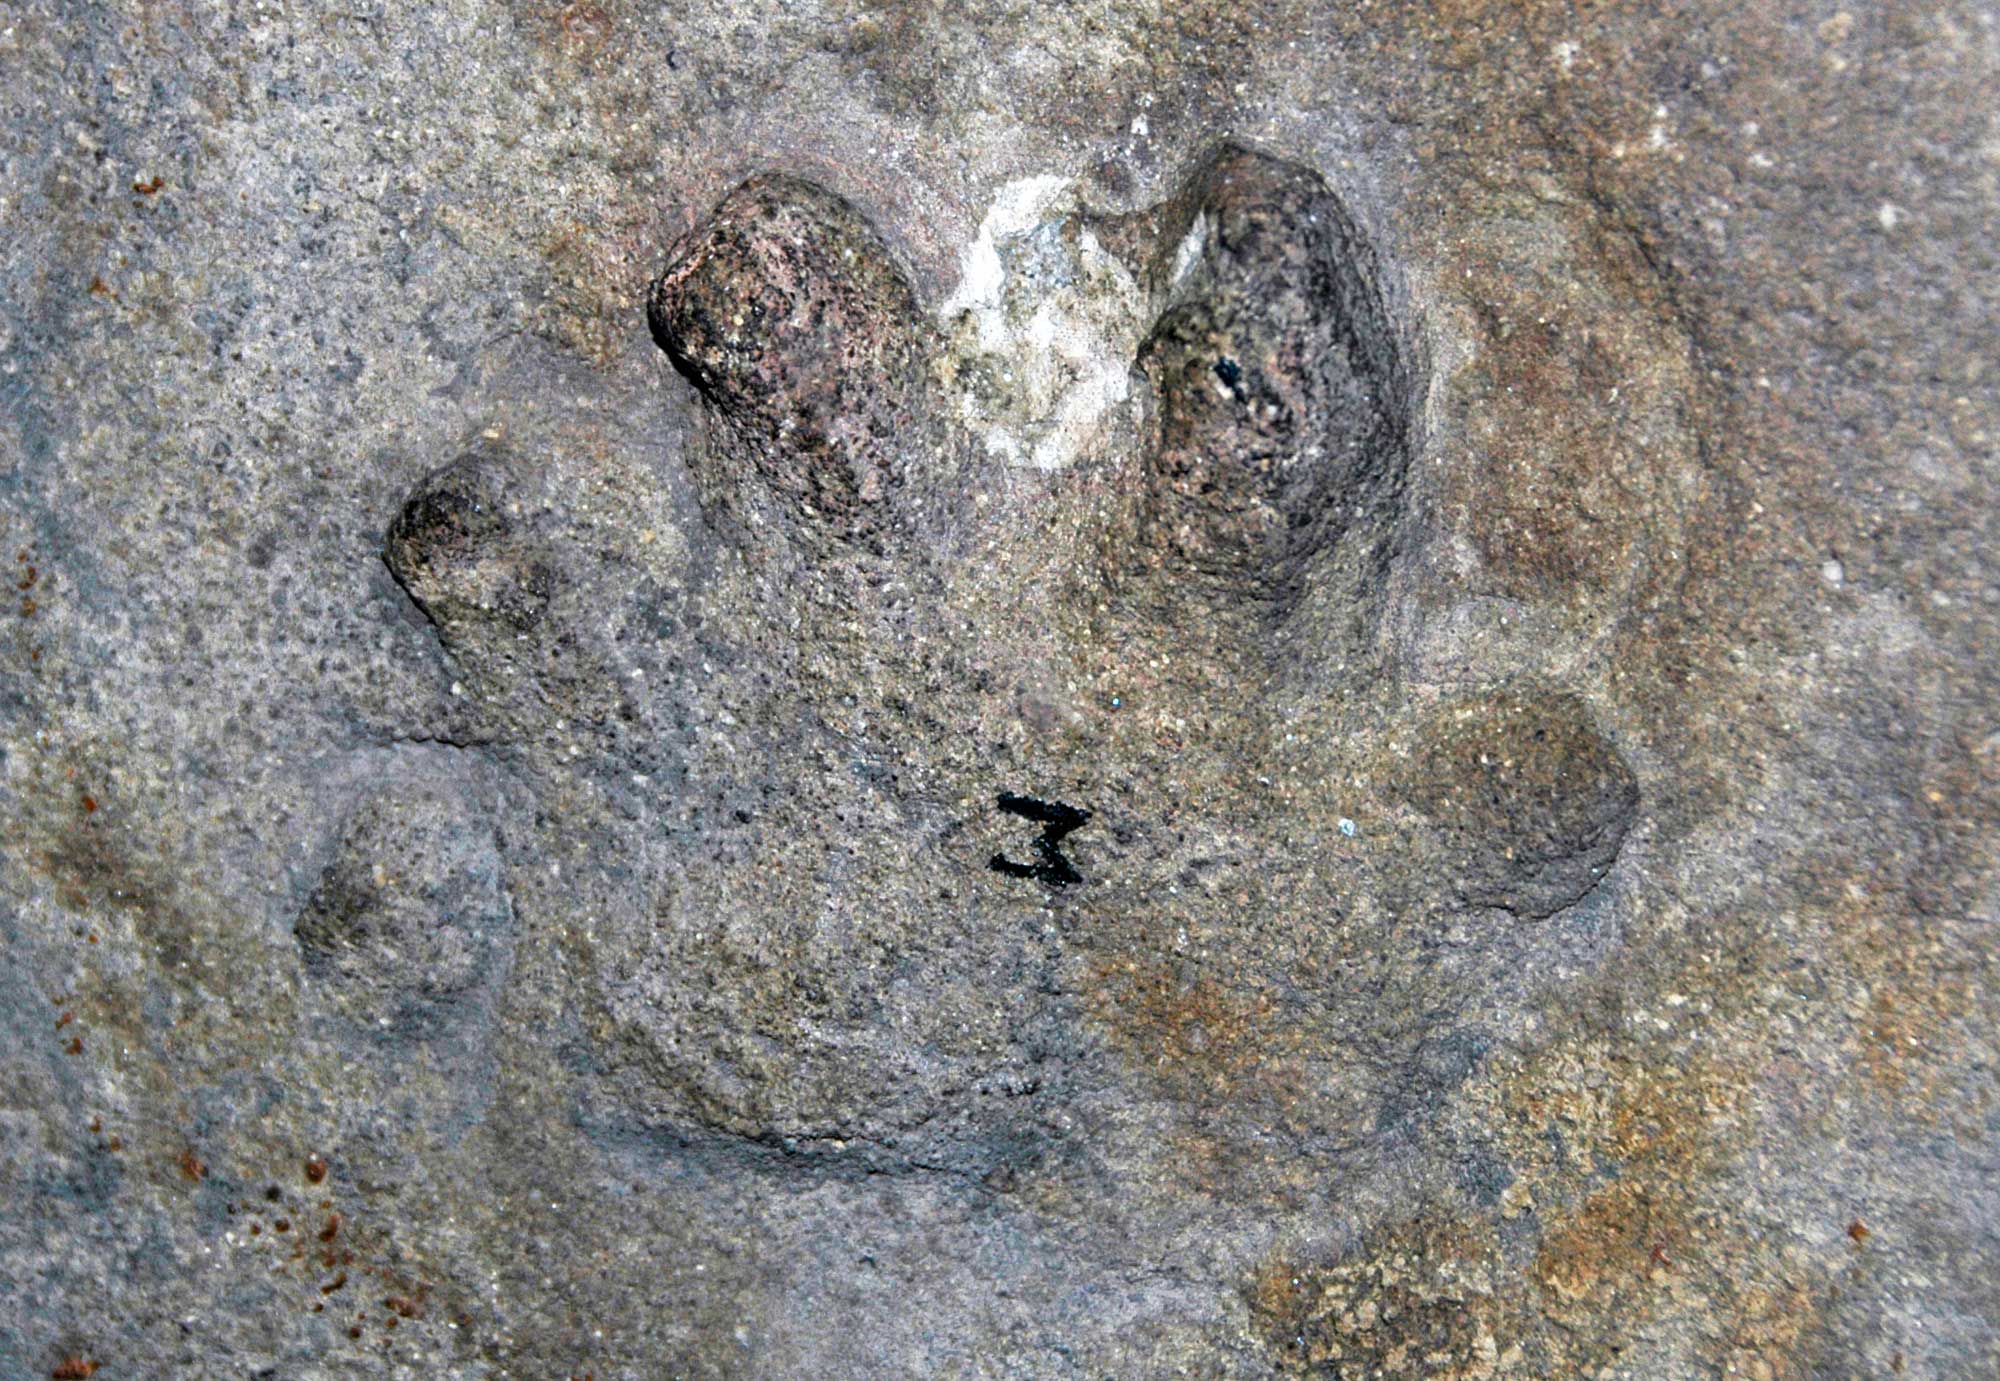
x: 576, y: 569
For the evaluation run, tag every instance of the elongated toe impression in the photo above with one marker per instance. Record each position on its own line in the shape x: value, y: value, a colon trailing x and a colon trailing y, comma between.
x: 1277, y: 378
x: 788, y: 313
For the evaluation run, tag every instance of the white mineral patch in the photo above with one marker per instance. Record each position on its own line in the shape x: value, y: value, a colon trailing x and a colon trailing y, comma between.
x: 1043, y: 327
x: 981, y: 275
x: 1190, y: 250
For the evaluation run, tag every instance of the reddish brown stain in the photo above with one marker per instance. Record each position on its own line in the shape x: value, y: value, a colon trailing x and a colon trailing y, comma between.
x: 315, y: 1169
x: 149, y: 186
x: 584, y: 23
x: 192, y: 1167
x: 1195, y: 1033
x: 1605, y: 1250
x: 74, y: 1369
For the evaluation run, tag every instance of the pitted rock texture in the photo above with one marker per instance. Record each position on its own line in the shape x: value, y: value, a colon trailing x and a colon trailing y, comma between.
x: 1475, y: 523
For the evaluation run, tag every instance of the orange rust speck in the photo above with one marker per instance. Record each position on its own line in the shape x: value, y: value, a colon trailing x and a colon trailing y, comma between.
x: 149, y: 186
x: 332, y: 1228
x: 582, y: 19
x: 315, y: 1169
x: 191, y: 1165
x: 1856, y: 1230
x: 65, y: 1019
x: 73, y: 1369
x: 334, y: 1284
x: 89, y: 804
x: 75, y: 1046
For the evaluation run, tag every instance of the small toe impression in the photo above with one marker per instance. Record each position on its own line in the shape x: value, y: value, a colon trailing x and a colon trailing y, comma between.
x: 460, y: 554
x: 1532, y: 802
x: 789, y: 314
x: 1280, y: 385
x: 410, y: 915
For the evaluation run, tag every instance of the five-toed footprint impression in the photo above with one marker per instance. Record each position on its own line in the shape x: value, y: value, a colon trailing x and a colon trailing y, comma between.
x: 1098, y: 545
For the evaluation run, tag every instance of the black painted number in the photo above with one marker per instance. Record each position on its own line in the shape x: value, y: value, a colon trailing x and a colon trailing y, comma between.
x: 1057, y: 820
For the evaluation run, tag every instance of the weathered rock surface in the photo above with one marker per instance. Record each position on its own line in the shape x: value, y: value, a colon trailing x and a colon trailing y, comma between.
x: 1046, y: 691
